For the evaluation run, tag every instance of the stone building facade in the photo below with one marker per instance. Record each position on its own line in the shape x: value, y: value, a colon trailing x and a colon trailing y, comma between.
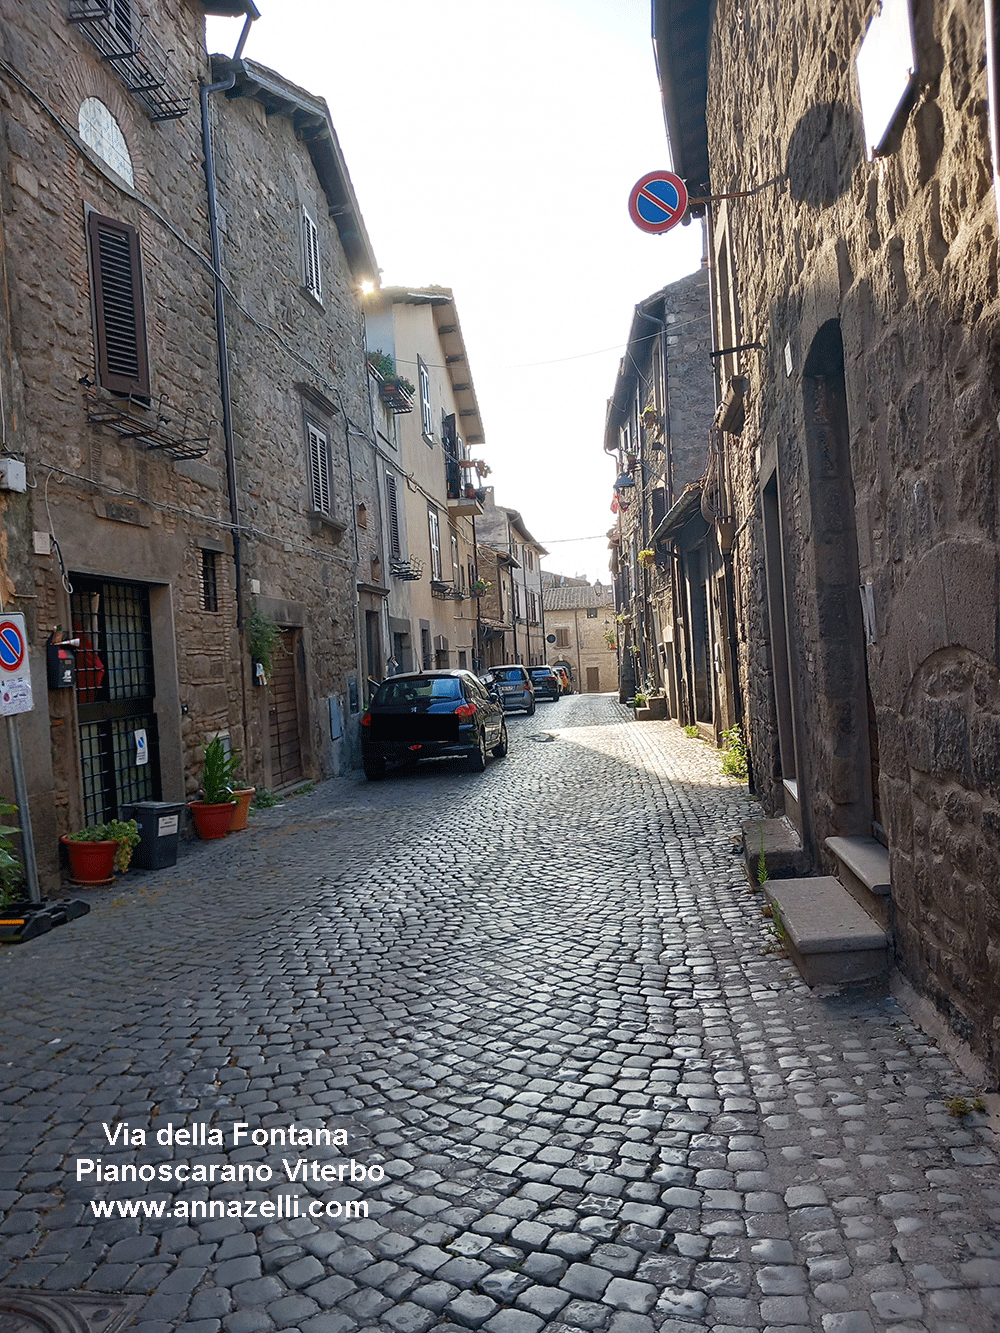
x: 110, y: 380
x: 581, y: 618
x: 858, y: 290
x: 294, y: 253
x: 672, y: 579
x: 164, y: 418
x: 504, y: 530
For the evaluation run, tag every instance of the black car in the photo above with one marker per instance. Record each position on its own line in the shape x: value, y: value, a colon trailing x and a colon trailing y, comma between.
x: 547, y: 684
x: 430, y: 714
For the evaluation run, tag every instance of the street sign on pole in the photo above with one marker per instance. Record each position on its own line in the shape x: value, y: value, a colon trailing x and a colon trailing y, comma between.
x: 15, y: 670
x: 658, y: 201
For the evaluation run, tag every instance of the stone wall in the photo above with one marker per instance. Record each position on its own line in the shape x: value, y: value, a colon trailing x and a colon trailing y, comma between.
x: 690, y: 389
x: 117, y: 509
x: 900, y: 257
x: 295, y: 360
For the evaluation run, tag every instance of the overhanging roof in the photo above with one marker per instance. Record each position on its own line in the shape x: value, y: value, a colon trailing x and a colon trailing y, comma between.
x: 685, y: 508
x: 637, y: 357
x: 311, y: 117
x: 680, y: 43
x: 230, y: 9
x: 456, y: 358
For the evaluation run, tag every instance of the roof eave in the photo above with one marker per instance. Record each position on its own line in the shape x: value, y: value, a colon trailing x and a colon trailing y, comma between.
x: 311, y: 118
x: 680, y: 43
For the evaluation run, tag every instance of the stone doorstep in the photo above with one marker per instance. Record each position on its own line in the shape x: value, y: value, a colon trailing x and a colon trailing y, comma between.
x: 783, y: 851
x: 864, y: 872
x: 830, y: 937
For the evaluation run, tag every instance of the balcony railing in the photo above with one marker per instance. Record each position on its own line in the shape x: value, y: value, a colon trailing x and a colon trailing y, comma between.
x: 147, y: 425
x: 410, y: 569
x: 124, y: 41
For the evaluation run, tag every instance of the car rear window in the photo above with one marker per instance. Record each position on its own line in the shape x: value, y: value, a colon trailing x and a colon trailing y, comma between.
x: 510, y: 674
x: 414, y: 688
x: 538, y: 672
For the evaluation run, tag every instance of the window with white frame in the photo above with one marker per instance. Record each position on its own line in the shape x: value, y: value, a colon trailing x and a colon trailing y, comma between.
x: 426, y: 415
x: 318, y: 449
x: 434, y: 533
x: 311, y: 277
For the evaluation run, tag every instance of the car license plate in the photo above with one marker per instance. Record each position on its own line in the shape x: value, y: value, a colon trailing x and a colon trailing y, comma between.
x: 508, y: 689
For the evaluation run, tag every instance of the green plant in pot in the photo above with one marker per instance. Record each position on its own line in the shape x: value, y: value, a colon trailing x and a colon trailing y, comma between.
x: 213, y: 813
x: 99, y: 851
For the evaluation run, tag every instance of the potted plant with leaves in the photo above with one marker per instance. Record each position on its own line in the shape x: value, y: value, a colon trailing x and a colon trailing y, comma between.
x: 99, y: 851
x: 213, y: 813
x: 263, y: 640
x: 11, y: 871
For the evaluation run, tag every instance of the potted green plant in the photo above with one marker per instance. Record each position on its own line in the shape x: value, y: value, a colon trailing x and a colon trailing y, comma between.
x: 99, y: 851
x: 213, y: 813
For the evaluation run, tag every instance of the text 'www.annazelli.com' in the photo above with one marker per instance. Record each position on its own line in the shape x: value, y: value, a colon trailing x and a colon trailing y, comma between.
x: 274, y: 1210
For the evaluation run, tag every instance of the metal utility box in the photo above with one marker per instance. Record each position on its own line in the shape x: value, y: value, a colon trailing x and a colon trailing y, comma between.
x: 159, y: 822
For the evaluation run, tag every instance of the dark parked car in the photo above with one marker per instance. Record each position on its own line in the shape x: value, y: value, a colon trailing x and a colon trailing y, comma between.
x: 429, y: 714
x: 547, y: 684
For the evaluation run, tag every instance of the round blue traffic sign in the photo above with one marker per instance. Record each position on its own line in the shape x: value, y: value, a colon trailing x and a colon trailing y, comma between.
x: 658, y: 201
x: 12, y: 646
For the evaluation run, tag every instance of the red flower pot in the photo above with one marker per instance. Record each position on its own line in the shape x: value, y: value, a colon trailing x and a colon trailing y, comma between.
x: 90, y: 862
x: 211, y: 821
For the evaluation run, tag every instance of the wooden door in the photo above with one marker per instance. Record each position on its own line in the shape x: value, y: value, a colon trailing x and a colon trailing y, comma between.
x: 286, y: 747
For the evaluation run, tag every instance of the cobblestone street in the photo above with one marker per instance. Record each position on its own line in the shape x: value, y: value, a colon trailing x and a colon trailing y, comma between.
x: 544, y: 1000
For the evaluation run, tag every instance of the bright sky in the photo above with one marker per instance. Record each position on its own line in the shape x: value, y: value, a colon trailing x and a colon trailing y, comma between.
x: 492, y: 149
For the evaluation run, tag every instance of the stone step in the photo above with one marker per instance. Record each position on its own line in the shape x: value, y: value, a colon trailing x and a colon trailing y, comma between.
x: 830, y: 937
x: 783, y: 852
x: 863, y: 869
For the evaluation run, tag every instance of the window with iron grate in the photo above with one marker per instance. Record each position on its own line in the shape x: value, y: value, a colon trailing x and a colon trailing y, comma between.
x: 209, y: 581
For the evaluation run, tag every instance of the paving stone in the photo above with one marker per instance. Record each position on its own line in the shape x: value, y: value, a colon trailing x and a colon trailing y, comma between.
x: 578, y: 1099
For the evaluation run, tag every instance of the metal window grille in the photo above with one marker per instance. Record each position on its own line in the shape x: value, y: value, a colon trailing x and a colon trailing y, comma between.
x: 209, y: 581
x: 115, y: 689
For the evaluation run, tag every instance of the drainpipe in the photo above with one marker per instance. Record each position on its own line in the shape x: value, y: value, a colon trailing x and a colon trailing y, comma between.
x: 220, y: 313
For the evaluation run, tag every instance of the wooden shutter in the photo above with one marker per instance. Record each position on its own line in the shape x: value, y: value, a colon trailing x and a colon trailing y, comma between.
x: 393, y: 503
x: 119, y: 314
x: 319, y: 470
x: 310, y: 256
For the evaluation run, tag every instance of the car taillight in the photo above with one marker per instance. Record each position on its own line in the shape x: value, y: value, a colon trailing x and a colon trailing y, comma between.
x: 465, y: 710
x: 366, y: 721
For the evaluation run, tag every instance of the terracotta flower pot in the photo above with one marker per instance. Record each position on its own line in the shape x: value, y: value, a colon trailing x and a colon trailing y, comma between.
x: 90, y: 862
x: 211, y: 821
x: 241, y: 810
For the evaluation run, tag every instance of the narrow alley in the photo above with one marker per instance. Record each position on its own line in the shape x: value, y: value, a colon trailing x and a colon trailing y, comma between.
x: 576, y: 1082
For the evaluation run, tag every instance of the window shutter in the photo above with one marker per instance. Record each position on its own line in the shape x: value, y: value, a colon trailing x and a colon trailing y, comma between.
x: 120, y: 317
x: 393, y: 503
x: 319, y: 471
x: 310, y: 256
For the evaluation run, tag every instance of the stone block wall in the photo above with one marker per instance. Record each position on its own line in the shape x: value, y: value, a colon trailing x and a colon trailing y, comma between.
x: 295, y: 358
x: 116, y: 508
x: 901, y: 256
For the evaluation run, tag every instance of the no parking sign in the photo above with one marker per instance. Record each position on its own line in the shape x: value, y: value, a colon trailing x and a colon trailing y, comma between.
x: 15, y: 670
x: 658, y: 201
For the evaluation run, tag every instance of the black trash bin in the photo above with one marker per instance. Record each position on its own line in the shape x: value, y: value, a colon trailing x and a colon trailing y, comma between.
x: 158, y: 822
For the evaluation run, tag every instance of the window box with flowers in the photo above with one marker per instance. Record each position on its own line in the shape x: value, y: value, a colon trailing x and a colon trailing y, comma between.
x: 647, y: 557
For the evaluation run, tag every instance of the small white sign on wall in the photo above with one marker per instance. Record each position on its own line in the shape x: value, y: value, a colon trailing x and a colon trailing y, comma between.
x: 141, y: 747
x: 887, y: 69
